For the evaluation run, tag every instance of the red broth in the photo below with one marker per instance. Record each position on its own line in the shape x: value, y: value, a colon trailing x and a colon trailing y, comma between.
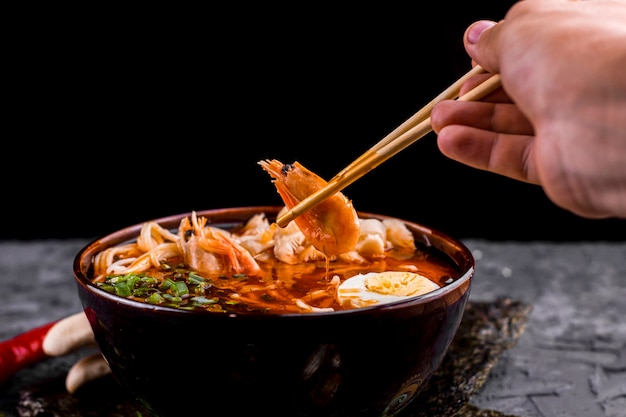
x: 277, y: 288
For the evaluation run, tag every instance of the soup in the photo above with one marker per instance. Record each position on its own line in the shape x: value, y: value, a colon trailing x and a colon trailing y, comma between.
x: 260, y: 268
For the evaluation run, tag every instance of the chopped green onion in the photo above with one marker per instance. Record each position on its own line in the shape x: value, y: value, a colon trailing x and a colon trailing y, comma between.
x: 203, y: 300
x: 143, y: 292
x: 179, y: 288
x: 166, y: 284
x: 107, y: 287
x: 155, y: 298
x: 147, y: 280
x: 122, y: 289
x: 172, y: 298
x: 194, y: 278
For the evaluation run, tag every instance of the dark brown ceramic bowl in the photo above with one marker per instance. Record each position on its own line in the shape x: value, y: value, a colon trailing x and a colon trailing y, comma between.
x: 363, y: 362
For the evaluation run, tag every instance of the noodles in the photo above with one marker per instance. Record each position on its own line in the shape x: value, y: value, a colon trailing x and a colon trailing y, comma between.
x: 259, y: 268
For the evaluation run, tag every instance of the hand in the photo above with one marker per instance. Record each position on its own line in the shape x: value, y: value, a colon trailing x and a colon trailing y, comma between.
x: 560, y: 119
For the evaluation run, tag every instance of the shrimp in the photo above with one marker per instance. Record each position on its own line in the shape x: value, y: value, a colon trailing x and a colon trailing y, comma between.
x: 332, y: 227
x: 212, y: 250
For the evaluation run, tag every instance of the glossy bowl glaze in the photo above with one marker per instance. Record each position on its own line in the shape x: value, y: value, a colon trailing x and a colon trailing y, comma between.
x: 363, y: 362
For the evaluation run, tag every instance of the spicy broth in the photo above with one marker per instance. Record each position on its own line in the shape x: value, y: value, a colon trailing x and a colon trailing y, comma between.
x: 277, y: 288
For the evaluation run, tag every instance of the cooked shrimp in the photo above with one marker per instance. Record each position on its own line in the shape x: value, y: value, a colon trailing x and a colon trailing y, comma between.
x: 210, y: 249
x: 333, y: 225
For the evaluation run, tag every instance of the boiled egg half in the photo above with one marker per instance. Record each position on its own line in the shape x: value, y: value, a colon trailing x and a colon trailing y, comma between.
x: 372, y: 288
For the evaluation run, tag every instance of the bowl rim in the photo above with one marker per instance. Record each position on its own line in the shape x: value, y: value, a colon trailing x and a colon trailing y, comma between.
x: 85, y: 255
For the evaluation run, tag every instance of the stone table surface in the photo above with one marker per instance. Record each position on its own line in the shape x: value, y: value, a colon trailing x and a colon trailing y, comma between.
x: 570, y: 360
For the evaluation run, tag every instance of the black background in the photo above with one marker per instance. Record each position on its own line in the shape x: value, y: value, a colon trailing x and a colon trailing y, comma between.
x: 120, y: 119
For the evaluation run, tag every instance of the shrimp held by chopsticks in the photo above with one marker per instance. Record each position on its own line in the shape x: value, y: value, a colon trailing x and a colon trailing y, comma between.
x: 333, y: 225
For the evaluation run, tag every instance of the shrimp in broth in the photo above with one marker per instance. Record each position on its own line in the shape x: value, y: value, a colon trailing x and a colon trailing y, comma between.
x: 332, y: 226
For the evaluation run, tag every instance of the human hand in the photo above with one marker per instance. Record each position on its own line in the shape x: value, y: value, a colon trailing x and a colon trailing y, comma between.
x: 560, y: 119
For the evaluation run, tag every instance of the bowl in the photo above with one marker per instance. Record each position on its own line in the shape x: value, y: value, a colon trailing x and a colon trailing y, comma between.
x: 369, y: 361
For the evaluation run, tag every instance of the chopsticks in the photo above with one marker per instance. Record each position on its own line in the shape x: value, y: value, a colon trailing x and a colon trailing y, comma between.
x: 414, y: 128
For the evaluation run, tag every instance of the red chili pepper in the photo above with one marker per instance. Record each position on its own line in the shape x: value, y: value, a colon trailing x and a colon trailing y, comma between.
x: 22, y: 351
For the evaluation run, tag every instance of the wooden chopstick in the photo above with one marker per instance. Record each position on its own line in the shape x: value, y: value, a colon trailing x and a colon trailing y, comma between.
x: 449, y: 93
x: 400, y: 138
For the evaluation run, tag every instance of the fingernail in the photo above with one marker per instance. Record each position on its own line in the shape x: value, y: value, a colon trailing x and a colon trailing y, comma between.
x: 477, y: 29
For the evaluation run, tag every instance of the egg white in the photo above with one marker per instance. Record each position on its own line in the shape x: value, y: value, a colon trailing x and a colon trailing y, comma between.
x: 382, y: 287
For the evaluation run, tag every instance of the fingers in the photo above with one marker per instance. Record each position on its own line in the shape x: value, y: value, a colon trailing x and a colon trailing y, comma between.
x: 501, y: 153
x: 85, y: 370
x: 498, y: 117
x: 498, y: 95
x: 68, y: 334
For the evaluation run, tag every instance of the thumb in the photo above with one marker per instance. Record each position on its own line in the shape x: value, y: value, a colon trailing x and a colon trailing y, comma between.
x: 480, y: 40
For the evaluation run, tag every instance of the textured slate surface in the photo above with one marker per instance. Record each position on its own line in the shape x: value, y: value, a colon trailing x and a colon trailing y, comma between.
x: 569, y: 361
